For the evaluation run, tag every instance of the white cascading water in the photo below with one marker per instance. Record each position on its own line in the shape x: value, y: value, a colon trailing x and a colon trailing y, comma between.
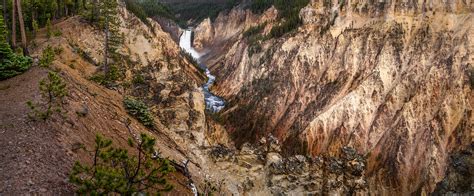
x: 213, y: 103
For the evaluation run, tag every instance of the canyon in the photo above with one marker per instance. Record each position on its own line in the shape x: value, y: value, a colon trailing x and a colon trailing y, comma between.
x: 391, y: 79
x: 363, y: 98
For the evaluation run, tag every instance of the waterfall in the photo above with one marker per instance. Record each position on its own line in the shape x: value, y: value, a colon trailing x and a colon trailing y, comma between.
x: 213, y: 102
x: 186, y: 45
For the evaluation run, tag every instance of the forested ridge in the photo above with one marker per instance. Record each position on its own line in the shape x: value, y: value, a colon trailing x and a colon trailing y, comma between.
x: 22, y: 19
x: 28, y: 16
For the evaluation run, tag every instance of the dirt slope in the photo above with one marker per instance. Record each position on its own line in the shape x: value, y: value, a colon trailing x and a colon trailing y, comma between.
x: 37, y: 156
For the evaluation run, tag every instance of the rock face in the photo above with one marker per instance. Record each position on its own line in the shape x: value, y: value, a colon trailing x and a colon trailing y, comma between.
x: 212, y: 38
x: 391, y: 79
x: 458, y: 179
x: 260, y: 169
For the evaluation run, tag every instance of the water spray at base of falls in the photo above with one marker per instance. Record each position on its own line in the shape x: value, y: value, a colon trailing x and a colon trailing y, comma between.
x: 213, y: 102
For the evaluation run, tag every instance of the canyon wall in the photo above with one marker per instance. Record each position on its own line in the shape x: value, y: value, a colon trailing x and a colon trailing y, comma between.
x: 391, y: 79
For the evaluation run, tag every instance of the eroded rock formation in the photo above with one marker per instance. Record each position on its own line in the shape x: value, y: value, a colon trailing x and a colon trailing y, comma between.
x: 391, y: 79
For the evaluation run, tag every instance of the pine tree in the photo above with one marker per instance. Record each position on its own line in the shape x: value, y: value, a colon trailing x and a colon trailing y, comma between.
x: 111, y: 24
x: 5, y: 50
x: 114, y: 171
x: 35, y: 26
x: 11, y: 64
x: 53, y: 90
x: 49, y: 28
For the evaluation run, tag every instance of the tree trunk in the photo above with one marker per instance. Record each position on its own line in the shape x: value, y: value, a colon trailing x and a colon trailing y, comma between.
x: 5, y: 17
x: 58, y: 11
x: 106, y: 46
x: 13, y: 24
x: 24, y: 43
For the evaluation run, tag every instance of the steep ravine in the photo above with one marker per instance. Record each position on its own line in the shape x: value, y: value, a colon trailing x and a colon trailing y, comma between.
x: 391, y: 79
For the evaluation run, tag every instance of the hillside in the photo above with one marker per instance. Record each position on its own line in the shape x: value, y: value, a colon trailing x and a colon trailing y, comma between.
x: 190, y: 12
x: 39, y: 155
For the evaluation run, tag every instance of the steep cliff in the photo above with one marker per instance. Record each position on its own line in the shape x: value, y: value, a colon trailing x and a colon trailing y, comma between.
x: 213, y: 39
x: 391, y: 79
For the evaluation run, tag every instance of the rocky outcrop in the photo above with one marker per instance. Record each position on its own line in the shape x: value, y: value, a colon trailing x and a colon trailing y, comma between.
x: 170, y: 27
x: 213, y: 39
x: 458, y: 179
x: 261, y: 169
x: 389, y: 79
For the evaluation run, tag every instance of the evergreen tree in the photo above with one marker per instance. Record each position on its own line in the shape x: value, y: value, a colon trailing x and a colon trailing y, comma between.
x: 49, y: 28
x: 35, y: 27
x: 11, y: 64
x: 53, y: 90
x: 114, y: 171
x: 5, y: 50
x: 110, y: 23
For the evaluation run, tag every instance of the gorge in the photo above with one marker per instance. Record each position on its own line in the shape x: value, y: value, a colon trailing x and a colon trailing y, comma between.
x: 391, y: 79
x: 242, y: 97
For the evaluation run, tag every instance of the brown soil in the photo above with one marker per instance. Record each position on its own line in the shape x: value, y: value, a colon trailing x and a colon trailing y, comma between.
x: 33, y: 158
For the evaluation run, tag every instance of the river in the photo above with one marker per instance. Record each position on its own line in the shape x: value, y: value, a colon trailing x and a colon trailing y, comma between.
x: 213, y: 102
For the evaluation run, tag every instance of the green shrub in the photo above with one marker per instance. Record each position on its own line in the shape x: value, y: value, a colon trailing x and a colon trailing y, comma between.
x: 138, y: 79
x: 14, y: 65
x: 115, y: 172
x: 47, y: 57
x: 57, y: 33
x: 285, y: 27
x: 35, y: 26
x: 58, y: 50
x: 109, y: 78
x: 139, y: 110
x: 53, y: 90
x: 252, y: 31
x: 11, y: 64
x: 49, y: 27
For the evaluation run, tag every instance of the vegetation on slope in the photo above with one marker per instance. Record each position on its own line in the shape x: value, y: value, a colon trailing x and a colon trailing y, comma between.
x: 288, y: 14
x: 11, y: 64
x: 148, y: 8
x: 139, y: 110
x: 192, y: 11
x: 115, y: 171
